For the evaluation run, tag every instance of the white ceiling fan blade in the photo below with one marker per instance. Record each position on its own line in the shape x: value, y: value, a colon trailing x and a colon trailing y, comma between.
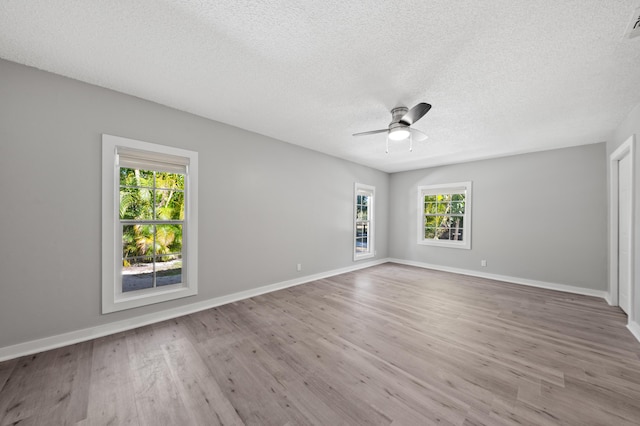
x: 417, y: 135
x: 371, y: 132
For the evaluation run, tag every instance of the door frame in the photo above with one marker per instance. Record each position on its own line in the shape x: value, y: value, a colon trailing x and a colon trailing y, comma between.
x: 626, y: 148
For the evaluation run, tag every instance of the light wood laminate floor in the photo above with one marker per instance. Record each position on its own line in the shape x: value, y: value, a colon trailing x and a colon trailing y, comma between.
x: 387, y: 345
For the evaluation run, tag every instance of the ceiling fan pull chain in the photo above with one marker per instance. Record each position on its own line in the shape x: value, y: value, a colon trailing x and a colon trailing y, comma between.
x: 386, y: 151
x: 410, y: 143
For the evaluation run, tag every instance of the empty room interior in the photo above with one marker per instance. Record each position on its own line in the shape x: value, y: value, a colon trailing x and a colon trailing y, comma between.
x: 327, y: 213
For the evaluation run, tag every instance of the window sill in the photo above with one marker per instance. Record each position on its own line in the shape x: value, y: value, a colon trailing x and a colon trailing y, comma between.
x: 144, y: 298
x: 357, y: 257
x: 449, y: 244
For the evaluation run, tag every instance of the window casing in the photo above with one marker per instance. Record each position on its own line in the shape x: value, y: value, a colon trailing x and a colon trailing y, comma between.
x: 363, y: 226
x: 444, y: 215
x: 149, y: 225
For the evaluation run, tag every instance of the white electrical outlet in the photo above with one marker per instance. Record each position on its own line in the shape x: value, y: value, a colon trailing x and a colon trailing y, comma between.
x: 299, y: 267
x: 483, y: 263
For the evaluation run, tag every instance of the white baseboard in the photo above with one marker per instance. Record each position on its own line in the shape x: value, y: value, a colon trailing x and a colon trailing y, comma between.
x: 634, y: 328
x: 607, y: 298
x: 57, y: 341
x: 77, y: 336
x: 505, y: 278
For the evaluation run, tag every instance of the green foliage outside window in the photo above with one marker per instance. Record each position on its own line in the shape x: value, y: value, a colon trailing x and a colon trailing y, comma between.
x: 151, y: 196
x: 444, y: 216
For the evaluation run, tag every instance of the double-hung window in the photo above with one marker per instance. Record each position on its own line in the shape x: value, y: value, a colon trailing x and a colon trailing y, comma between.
x: 364, y: 198
x: 149, y: 223
x: 444, y: 215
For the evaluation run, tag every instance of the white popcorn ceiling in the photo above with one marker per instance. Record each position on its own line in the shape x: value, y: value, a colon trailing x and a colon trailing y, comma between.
x: 503, y: 76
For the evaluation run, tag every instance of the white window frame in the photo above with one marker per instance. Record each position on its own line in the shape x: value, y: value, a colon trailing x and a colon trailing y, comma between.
x: 369, y: 191
x: 113, y: 299
x: 449, y: 188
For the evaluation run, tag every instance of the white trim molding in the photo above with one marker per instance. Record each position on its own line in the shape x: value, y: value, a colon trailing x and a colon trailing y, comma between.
x: 449, y: 188
x: 505, y: 278
x: 77, y: 336
x: 626, y: 148
x: 370, y: 192
x: 114, y: 150
x: 634, y: 328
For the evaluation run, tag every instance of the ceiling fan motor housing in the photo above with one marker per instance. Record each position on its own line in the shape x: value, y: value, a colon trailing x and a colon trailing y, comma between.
x: 401, y: 120
x: 396, y: 115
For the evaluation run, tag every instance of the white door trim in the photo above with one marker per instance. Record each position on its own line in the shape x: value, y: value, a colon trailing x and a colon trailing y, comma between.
x: 627, y: 148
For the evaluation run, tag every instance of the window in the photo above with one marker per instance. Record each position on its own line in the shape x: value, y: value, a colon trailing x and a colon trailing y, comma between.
x: 363, y: 229
x: 149, y: 225
x: 444, y: 217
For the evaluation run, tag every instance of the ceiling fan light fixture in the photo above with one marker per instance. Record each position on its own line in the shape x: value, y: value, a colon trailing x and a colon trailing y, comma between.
x: 399, y: 133
x: 400, y: 127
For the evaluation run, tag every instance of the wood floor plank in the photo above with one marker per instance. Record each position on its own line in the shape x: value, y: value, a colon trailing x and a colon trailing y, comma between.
x: 156, y: 397
x: 111, y: 396
x: 246, y: 387
x: 410, y: 395
x: 434, y: 402
x: 65, y: 393
x: 23, y: 391
x: 282, y: 344
x: 197, y: 387
x: 6, y: 369
x: 386, y: 345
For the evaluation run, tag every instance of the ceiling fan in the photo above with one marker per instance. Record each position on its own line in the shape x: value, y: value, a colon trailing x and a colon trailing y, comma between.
x: 400, y: 127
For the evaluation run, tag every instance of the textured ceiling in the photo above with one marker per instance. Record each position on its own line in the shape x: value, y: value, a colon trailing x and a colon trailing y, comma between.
x: 503, y: 76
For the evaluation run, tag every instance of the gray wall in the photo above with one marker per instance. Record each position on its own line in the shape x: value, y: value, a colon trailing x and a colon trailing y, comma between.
x: 631, y: 126
x: 539, y: 216
x: 264, y: 205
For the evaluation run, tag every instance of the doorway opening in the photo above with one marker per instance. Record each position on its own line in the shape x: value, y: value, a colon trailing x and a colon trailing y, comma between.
x: 621, y: 225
